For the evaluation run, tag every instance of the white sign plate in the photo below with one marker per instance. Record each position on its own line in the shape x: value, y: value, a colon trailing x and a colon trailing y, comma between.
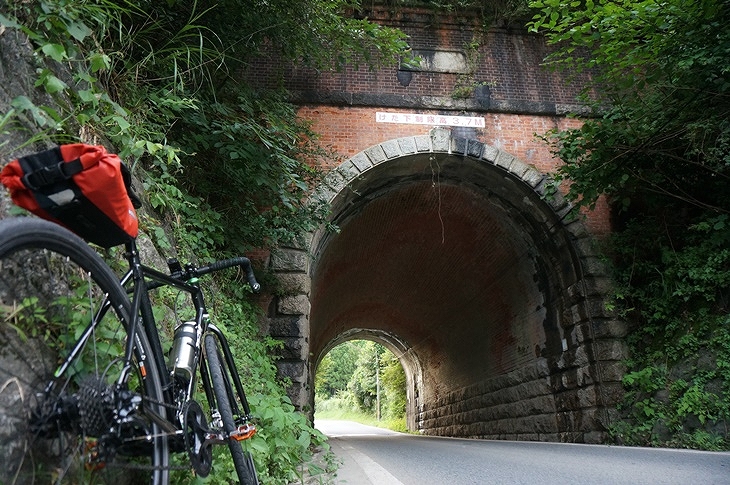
x: 437, y: 120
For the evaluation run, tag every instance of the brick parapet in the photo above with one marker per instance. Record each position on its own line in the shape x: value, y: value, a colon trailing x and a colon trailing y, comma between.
x: 505, y: 64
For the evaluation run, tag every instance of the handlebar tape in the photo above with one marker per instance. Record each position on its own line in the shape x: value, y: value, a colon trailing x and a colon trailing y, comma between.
x: 241, y: 261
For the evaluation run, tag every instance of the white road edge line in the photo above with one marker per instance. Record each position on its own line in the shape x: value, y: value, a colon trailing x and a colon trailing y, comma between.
x: 375, y: 473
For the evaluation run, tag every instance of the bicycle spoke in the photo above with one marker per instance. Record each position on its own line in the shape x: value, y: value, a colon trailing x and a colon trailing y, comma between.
x: 64, y: 418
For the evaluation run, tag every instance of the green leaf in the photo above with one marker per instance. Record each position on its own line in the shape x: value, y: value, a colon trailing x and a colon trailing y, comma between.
x: 304, y: 440
x: 53, y: 85
x: 99, y: 62
x: 78, y: 30
x: 87, y: 96
x: 11, y: 23
x: 121, y: 122
x: 55, y: 51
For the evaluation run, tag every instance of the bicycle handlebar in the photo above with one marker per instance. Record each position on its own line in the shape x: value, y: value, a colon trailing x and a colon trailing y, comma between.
x: 190, y: 271
x: 241, y: 261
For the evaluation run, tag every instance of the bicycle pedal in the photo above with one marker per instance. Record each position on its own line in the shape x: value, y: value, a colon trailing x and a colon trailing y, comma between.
x: 243, y: 432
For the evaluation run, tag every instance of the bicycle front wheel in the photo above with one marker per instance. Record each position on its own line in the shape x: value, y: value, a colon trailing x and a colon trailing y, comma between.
x: 71, y: 411
x: 242, y: 460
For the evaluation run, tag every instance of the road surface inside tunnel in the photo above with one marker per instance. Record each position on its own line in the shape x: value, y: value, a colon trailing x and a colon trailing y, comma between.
x: 371, y: 455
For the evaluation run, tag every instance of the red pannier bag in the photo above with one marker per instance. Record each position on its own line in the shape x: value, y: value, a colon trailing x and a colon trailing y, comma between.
x: 81, y: 187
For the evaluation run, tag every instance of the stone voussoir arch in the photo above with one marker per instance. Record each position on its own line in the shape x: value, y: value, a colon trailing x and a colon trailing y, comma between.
x: 583, y: 377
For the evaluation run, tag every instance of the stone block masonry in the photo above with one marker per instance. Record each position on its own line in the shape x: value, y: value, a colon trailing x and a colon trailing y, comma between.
x: 519, y: 405
x: 529, y: 352
x: 519, y: 365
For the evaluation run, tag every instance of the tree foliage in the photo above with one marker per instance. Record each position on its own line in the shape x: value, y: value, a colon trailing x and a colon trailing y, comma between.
x: 661, y: 96
x: 336, y: 369
x: 356, y: 371
x: 494, y: 11
x: 160, y: 81
x: 657, y: 145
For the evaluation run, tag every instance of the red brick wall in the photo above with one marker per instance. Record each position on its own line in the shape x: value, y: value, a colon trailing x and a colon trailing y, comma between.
x: 352, y: 129
x: 524, y: 99
x: 509, y: 61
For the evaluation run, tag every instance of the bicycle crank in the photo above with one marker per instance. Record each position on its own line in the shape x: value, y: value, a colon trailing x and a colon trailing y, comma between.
x: 197, y: 438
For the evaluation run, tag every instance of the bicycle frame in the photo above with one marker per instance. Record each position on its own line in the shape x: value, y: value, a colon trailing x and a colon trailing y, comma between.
x: 138, y: 281
x: 143, y: 279
x: 88, y: 389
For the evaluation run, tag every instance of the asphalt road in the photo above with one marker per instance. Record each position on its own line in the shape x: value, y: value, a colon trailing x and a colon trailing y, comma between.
x: 375, y: 456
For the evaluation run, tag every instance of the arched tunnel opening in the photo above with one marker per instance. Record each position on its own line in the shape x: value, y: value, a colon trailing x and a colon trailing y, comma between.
x: 365, y: 375
x: 456, y: 255
x: 430, y: 251
x: 399, y: 349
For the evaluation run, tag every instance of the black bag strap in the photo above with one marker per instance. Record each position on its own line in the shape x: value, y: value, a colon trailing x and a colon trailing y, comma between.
x: 127, y: 177
x: 47, y: 168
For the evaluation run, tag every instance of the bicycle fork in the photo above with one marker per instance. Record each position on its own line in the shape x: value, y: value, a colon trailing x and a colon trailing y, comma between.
x: 237, y: 397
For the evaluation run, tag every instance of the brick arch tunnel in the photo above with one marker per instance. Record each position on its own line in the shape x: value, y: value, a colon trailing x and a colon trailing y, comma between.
x: 451, y: 254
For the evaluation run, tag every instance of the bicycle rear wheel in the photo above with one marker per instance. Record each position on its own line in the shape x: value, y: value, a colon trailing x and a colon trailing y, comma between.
x: 66, y: 415
x: 242, y: 460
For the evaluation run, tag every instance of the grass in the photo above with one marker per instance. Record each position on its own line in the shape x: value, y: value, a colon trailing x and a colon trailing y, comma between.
x: 332, y: 412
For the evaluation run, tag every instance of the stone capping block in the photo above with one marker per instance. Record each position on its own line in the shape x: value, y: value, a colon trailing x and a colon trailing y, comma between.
x: 407, y: 145
x: 348, y: 171
x: 441, y: 140
x: 474, y: 148
x: 458, y: 145
x: 577, y: 229
x: 290, y: 260
x: 361, y: 161
x: 391, y: 148
x: 533, y: 177
x: 335, y: 180
x: 542, y: 187
x: 490, y: 153
x: 519, y: 168
x: 567, y: 214
x: 323, y: 193
x: 504, y: 160
x: 376, y: 154
x: 557, y: 201
x: 423, y: 143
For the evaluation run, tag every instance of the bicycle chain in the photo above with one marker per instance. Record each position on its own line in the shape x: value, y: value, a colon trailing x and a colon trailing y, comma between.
x: 120, y: 465
x: 139, y: 466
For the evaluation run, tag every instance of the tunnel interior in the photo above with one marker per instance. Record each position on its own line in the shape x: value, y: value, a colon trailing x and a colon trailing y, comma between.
x: 458, y: 261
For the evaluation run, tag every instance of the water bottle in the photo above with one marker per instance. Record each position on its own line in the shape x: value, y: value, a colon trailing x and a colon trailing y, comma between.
x: 183, y: 350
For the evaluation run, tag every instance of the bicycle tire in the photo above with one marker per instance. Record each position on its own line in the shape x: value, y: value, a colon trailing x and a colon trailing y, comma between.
x: 242, y: 460
x: 56, y: 424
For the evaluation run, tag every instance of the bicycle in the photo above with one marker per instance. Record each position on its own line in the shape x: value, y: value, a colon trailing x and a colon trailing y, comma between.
x: 87, y: 392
